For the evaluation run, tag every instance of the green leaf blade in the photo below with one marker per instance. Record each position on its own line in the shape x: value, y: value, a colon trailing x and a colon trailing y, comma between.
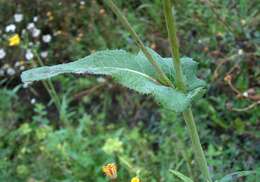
x: 131, y: 71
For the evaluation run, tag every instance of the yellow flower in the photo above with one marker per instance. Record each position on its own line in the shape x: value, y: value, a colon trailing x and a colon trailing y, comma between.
x: 110, y: 170
x: 14, y: 40
x: 135, y: 179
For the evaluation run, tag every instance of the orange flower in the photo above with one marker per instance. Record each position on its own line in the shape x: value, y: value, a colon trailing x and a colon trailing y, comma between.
x: 110, y: 170
x: 135, y: 179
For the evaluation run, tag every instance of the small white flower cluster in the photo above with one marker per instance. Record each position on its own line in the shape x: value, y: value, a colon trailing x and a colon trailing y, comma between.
x: 36, y: 33
x: 20, y: 65
x: 10, y: 28
x: 6, y: 69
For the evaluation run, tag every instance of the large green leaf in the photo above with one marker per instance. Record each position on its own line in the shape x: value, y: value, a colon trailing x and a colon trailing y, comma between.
x: 132, y: 71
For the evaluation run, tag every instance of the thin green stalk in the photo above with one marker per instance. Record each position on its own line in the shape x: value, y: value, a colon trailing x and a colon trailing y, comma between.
x: 49, y: 85
x: 170, y: 22
x: 196, y: 145
x: 50, y: 93
x: 139, y: 42
x: 46, y: 86
x: 187, y: 115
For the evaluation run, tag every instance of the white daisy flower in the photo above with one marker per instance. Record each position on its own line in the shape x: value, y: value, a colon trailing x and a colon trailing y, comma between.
x: 82, y: 2
x: 10, y: 71
x: 46, y: 38
x: 44, y: 54
x: 18, y: 17
x: 36, y: 32
x: 30, y: 26
x: 10, y: 28
x: 28, y: 54
x: 2, y: 53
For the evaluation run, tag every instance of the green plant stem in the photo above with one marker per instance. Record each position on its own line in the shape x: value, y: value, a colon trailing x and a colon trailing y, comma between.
x: 170, y: 22
x: 164, y: 79
x: 196, y: 145
x: 45, y: 84
x: 187, y: 115
x: 49, y: 85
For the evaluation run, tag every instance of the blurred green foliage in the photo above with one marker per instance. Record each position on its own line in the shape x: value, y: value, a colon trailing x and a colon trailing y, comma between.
x: 39, y: 144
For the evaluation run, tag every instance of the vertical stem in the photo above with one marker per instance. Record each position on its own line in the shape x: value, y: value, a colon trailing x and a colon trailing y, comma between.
x: 196, y: 145
x: 139, y: 42
x: 170, y: 22
x: 49, y: 85
x: 187, y: 115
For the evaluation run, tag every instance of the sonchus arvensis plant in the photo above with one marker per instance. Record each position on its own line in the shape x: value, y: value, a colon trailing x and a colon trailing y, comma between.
x: 171, y: 81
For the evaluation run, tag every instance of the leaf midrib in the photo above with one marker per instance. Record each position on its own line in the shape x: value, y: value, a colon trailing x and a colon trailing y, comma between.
x: 133, y: 71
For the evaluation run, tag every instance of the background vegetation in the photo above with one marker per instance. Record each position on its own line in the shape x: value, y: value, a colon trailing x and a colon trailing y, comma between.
x: 101, y: 122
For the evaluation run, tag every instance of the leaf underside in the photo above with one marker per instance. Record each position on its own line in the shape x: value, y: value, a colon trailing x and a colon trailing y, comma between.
x: 132, y: 71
